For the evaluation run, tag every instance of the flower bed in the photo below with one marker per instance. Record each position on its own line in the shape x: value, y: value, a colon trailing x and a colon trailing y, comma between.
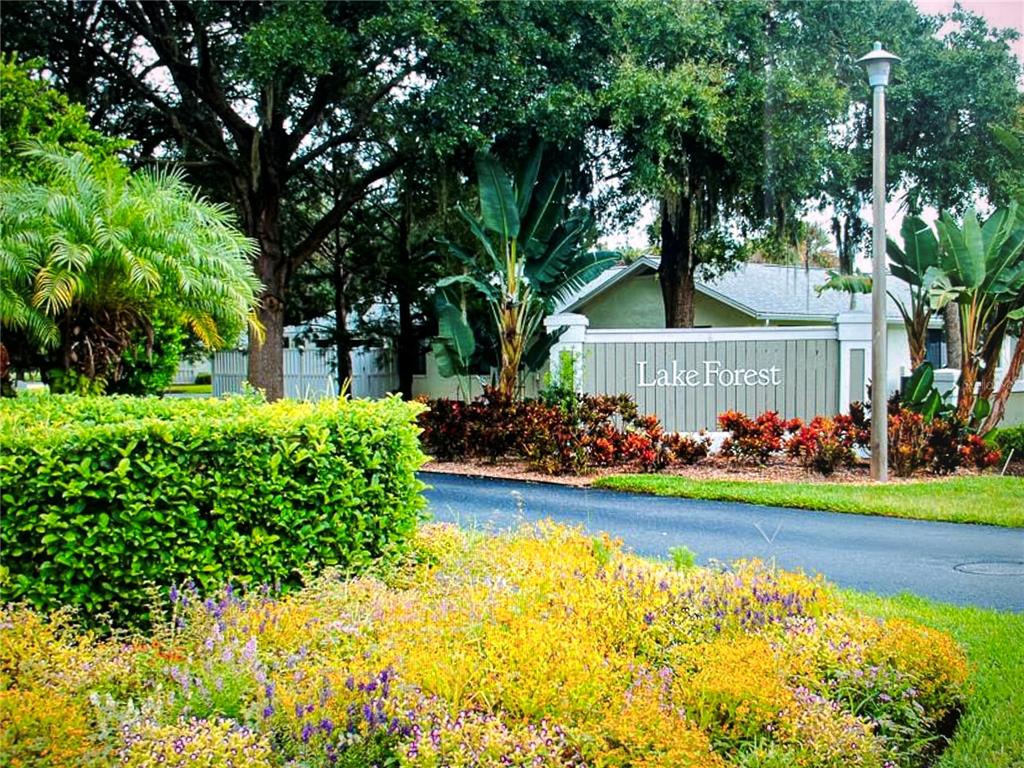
x: 571, y: 434
x: 559, y: 433
x: 542, y: 648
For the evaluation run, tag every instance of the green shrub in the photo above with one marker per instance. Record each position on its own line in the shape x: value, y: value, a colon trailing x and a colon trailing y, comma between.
x: 150, y: 361
x: 1007, y: 439
x: 105, y: 497
x: 203, y: 378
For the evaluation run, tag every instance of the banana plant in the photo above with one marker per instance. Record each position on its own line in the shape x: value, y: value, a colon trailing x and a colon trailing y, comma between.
x: 981, y: 268
x: 454, y: 345
x: 530, y: 253
x: 910, y: 264
x: 920, y: 252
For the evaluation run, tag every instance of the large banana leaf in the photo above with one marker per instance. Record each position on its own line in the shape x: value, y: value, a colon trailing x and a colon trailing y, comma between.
x: 454, y: 345
x: 920, y: 252
x: 963, y: 250
x: 581, y: 271
x: 1008, y: 250
x: 546, y: 210
x: 526, y: 179
x: 539, y: 352
x: 941, y: 290
x: 482, y: 237
x: 497, y: 198
x: 1008, y: 140
x: 978, y: 256
x: 858, y: 282
x: 489, y: 292
x: 460, y: 253
x: 559, y: 253
x: 534, y: 257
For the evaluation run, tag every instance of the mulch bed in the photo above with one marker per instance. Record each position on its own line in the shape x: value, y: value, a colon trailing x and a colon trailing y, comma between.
x: 712, y: 468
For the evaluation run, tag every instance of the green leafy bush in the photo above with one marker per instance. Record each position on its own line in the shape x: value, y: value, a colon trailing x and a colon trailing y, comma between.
x: 103, y: 497
x: 1007, y: 439
x: 150, y: 361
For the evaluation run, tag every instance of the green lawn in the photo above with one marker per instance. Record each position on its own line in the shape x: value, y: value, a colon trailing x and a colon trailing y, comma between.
x: 991, y: 732
x: 991, y: 500
x: 190, y: 389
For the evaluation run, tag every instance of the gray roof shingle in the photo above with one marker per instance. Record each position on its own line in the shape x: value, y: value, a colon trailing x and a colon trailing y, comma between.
x: 765, y: 291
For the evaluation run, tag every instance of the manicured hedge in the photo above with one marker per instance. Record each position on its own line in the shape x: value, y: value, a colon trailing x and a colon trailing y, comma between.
x: 105, y: 498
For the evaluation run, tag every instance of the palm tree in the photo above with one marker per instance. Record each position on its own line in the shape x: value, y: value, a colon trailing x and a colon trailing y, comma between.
x: 89, y: 257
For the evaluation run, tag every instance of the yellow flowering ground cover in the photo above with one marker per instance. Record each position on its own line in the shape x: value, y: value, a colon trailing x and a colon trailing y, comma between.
x: 542, y: 647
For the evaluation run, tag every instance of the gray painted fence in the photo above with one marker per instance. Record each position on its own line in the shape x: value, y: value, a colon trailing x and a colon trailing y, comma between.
x: 310, y: 373
x: 187, y: 371
x: 687, y: 383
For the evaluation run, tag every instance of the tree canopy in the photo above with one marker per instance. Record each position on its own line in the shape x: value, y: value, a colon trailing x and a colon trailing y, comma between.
x: 314, y: 119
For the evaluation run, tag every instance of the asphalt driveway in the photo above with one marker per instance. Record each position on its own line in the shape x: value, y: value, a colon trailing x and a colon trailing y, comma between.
x: 956, y: 563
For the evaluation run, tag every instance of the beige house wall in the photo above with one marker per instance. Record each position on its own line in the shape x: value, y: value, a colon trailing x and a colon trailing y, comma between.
x: 636, y: 303
x: 433, y: 385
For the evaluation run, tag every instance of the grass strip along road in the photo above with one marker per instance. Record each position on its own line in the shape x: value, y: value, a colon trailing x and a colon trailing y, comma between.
x: 991, y: 731
x: 989, y: 500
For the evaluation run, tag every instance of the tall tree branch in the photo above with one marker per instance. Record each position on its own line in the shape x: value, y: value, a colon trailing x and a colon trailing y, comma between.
x: 212, y: 142
x: 149, y: 20
x: 353, y: 132
x: 329, y: 221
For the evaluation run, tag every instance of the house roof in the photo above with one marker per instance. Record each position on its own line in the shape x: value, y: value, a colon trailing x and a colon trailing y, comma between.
x: 763, y: 291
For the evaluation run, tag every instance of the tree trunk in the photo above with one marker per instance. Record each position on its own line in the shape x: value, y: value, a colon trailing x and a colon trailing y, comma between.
x: 1006, y: 387
x: 991, y: 353
x: 342, y: 342
x: 259, y: 196
x: 266, y: 366
x: 406, y: 343
x: 917, y: 340
x: 678, y: 266
x: 954, y: 342
x: 265, y: 370
x: 6, y: 385
x: 511, y: 350
x: 965, y: 392
x: 407, y: 351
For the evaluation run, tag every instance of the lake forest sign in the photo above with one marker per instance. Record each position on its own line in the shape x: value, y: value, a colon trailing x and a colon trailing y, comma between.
x: 711, y: 373
x: 687, y: 378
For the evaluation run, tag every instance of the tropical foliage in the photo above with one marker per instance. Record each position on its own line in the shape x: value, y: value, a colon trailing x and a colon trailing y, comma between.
x: 92, y: 254
x: 574, y: 435
x: 531, y: 251
x: 910, y: 264
x: 541, y: 647
x: 732, y: 118
x: 31, y: 110
x: 982, y: 271
x: 979, y: 268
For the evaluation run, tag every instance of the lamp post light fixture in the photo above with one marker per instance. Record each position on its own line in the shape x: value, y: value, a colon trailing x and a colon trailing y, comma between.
x: 878, y: 63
